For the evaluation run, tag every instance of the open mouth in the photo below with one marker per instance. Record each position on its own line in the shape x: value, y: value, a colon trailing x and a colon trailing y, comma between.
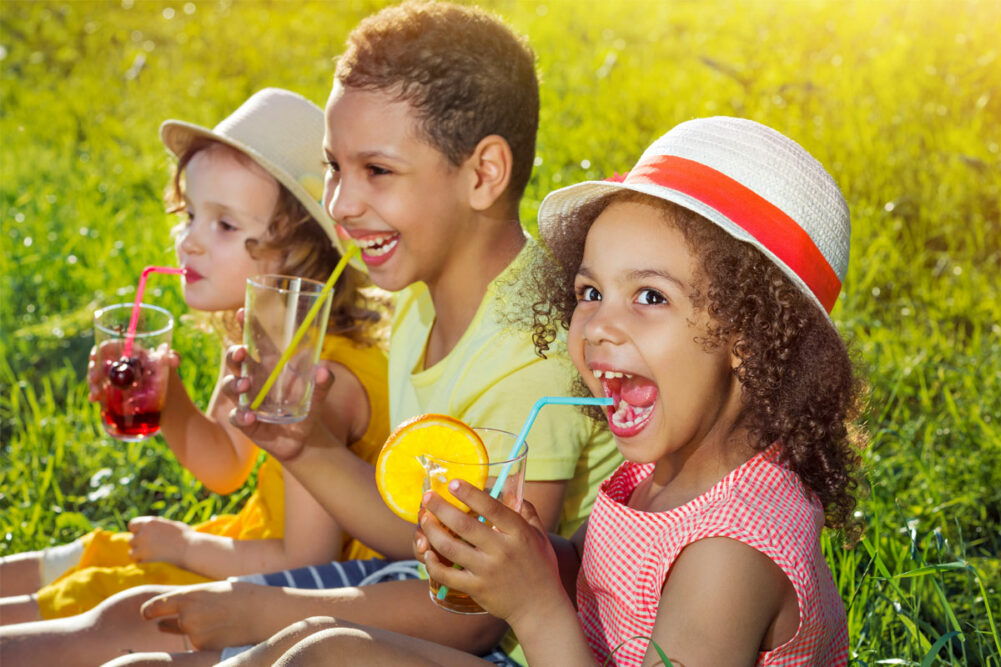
x: 377, y: 246
x: 633, y: 396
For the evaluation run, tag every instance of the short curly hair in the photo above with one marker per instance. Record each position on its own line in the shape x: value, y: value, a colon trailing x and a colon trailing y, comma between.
x: 463, y: 71
x: 799, y: 383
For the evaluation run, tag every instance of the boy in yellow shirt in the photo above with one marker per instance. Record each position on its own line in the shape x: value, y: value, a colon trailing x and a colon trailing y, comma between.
x: 430, y: 143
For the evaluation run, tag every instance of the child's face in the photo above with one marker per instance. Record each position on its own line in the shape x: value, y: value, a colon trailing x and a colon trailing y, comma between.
x: 633, y: 337
x: 227, y: 202
x: 396, y: 195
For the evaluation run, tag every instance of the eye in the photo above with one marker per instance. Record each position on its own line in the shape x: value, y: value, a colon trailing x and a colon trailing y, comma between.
x: 376, y: 170
x: 651, y: 297
x: 226, y: 227
x: 332, y: 166
x: 588, y: 293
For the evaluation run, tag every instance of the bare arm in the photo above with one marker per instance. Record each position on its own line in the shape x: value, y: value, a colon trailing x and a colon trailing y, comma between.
x: 215, y: 451
x: 311, y: 535
x: 209, y: 612
x: 722, y: 603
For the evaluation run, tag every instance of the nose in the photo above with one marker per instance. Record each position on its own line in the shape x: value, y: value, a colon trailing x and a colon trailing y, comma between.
x: 340, y: 198
x: 602, y: 324
x: 189, y: 238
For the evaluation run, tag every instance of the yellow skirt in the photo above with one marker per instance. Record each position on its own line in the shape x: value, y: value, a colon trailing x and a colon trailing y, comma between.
x: 105, y: 567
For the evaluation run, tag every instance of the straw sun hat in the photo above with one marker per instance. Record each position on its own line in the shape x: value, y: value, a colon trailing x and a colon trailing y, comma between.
x: 280, y: 130
x: 758, y: 185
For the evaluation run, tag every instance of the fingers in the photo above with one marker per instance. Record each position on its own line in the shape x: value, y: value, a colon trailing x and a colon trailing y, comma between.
x: 244, y: 419
x: 136, y: 524
x: 174, y: 360
x: 233, y: 386
x: 170, y: 625
x: 161, y: 606
x: 529, y: 514
x: 482, y: 503
x: 235, y: 356
x: 451, y: 532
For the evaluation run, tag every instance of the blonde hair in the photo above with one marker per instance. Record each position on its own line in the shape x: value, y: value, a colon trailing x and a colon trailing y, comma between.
x: 358, y: 308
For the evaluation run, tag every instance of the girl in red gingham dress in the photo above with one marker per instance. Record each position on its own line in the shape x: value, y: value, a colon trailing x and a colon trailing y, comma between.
x: 701, y: 287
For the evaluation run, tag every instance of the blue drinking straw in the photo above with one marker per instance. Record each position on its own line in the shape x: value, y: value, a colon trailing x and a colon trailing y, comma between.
x: 516, y: 448
x: 520, y: 442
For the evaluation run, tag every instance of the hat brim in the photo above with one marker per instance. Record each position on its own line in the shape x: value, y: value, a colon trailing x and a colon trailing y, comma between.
x: 557, y: 209
x: 178, y: 135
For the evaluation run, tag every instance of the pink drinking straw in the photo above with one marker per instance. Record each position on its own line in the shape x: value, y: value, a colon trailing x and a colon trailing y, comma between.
x: 134, y: 320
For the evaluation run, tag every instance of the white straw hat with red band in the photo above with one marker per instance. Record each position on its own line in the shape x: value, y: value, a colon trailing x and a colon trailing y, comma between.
x: 281, y: 131
x: 757, y: 184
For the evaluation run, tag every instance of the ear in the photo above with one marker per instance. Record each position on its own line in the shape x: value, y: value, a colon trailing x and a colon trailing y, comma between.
x: 735, y: 360
x: 490, y: 171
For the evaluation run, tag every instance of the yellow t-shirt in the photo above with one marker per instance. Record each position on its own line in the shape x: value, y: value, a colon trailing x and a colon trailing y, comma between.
x: 492, y: 378
x: 105, y: 567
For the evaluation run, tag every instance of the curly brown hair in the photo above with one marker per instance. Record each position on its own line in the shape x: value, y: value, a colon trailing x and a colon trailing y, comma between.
x: 463, y: 71
x: 357, y: 308
x: 799, y: 384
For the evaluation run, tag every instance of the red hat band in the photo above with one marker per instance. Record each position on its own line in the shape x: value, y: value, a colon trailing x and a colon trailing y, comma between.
x: 764, y: 221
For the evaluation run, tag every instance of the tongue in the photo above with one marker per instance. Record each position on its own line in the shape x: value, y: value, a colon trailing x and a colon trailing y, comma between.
x: 639, y: 391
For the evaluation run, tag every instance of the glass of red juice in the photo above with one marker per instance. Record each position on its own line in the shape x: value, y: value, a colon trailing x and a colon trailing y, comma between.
x: 131, y: 388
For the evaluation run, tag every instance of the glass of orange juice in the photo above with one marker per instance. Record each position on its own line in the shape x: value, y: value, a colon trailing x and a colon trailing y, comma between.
x: 439, y: 472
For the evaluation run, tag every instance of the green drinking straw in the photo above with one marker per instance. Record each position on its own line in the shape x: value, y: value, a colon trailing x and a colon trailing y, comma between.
x: 520, y: 442
x: 301, y: 331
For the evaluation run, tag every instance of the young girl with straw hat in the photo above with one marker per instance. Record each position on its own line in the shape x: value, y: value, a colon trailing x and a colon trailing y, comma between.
x: 248, y: 193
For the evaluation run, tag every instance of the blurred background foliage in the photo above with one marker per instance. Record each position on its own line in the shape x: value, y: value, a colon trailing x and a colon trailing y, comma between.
x: 900, y: 100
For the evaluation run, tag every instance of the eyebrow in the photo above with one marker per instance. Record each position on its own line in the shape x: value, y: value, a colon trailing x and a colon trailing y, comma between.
x: 639, y: 275
x: 229, y: 210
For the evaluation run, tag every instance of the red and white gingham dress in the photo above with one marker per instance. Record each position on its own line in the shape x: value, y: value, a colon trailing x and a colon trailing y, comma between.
x: 628, y: 554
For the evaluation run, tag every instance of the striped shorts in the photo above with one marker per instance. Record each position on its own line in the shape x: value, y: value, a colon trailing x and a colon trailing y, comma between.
x: 345, y: 574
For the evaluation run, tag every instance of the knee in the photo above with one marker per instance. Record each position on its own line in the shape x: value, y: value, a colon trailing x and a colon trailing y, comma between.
x: 329, y: 646
x: 140, y: 660
x: 302, y: 629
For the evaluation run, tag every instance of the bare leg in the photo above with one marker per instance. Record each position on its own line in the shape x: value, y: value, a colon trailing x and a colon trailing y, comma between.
x: 188, y: 659
x: 20, y: 574
x: 18, y: 609
x: 107, y: 631
x: 326, y: 641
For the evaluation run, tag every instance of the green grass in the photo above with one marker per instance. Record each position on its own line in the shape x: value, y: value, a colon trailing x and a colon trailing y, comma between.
x: 901, y: 101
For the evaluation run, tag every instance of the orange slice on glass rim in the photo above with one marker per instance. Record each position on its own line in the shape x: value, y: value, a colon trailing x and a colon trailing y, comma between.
x: 399, y: 472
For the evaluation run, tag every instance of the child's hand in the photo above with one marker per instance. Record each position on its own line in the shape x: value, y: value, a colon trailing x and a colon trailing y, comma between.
x: 212, y: 615
x: 283, y: 441
x: 507, y: 568
x: 155, y: 539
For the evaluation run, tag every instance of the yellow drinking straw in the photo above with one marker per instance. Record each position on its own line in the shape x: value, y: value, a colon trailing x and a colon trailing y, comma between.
x: 301, y: 331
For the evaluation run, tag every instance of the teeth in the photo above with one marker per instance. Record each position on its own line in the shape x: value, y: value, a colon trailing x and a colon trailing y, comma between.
x: 608, y: 375
x: 620, y: 418
x: 374, y: 241
x: 376, y: 247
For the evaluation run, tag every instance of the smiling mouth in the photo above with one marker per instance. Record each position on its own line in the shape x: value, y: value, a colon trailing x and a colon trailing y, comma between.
x: 634, y: 397
x: 377, y: 245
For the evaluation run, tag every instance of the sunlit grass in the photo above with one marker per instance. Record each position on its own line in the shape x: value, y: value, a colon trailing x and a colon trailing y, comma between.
x: 900, y: 100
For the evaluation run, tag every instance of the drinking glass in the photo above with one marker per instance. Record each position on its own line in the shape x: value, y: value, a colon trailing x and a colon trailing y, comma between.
x: 131, y: 390
x: 439, y: 472
x: 275, y: 306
